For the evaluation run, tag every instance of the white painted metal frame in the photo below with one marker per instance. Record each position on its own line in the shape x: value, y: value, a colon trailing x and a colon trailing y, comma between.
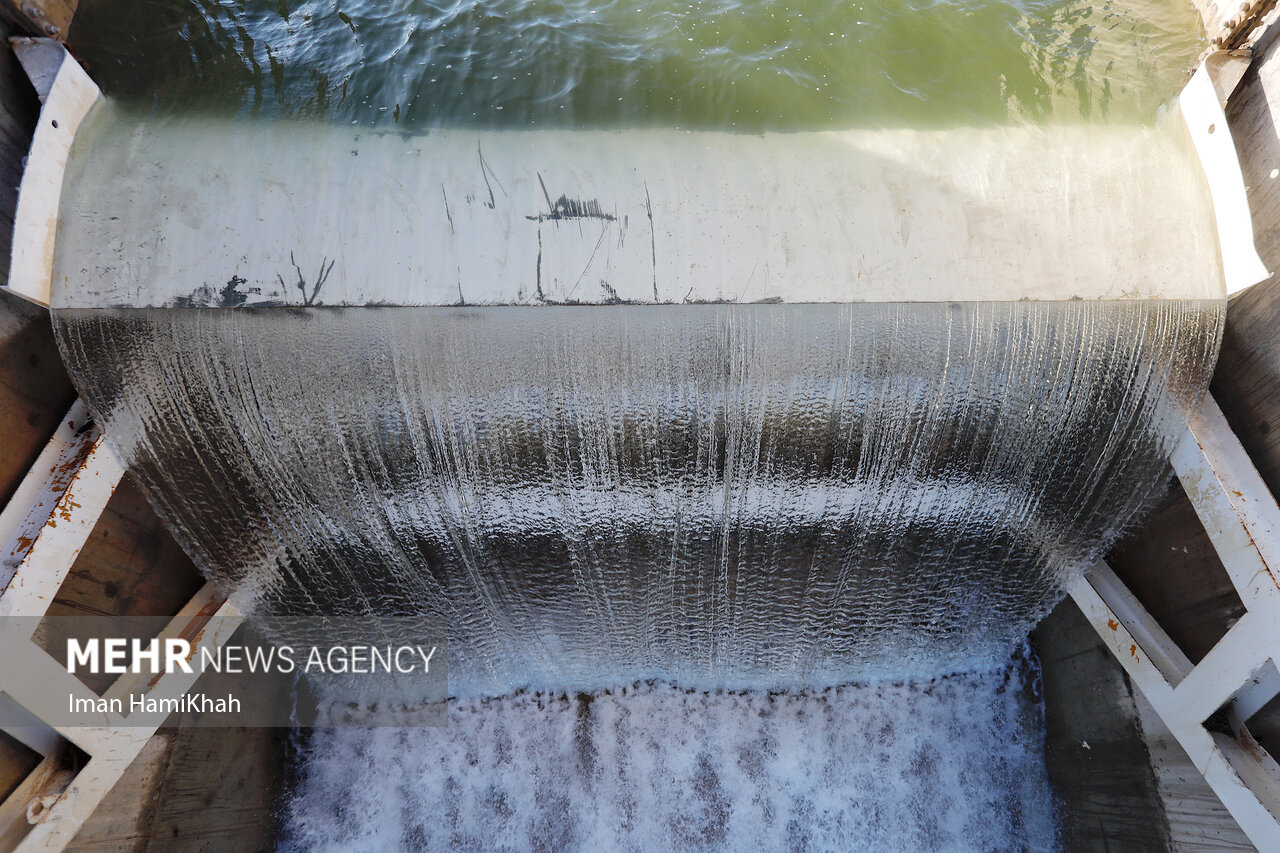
x: 1201, y: 103
x: 66, y: 93
x: 43, y: 528
x: 1239, y: 675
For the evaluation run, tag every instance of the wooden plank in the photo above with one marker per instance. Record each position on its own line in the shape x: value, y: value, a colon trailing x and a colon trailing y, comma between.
x: 1236, y: 508
x: 122, y: 823
x: 63, y: 496
x: 113, y: 748
x: 26, y: 805
x: 1247, y: 381
x: 34, y: 389
x: 1198, y: 822
x: 1234, y: 774
x: 1225, y: 671
x: 1265, y: 726
x: 1250, y: 116
x: 1094, y: 750
x: 16, y: 762
x: 209, y: 789
x: 131, y: 568
x: 1165, y: 654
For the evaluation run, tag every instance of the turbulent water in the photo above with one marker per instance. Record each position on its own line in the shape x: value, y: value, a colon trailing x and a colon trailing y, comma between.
x: 722, y: 64
x: 771, y: 496
x: 955, y: 765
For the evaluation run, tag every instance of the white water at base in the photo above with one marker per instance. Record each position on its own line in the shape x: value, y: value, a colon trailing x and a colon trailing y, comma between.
x: 950, y: 764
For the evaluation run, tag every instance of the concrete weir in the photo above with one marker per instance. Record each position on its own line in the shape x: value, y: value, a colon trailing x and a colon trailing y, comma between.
x: 640, y: 217
x: 626, y: 407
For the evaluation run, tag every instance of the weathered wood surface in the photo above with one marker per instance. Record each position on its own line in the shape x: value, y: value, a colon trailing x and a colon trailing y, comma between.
x: 16, y: 761
x: 1247, y: 381
x: 1107, y: 796
x: 193, y: 790
x: 1169, y: 563
x: 35, y: 392
x: 130, y: 567
x: 1265, y: 726
x: 1197, y: 819
x: 197, y: 789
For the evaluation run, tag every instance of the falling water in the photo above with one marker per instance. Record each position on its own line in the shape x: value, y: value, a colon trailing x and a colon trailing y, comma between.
x: 735, y: 464
x: 771, y: 496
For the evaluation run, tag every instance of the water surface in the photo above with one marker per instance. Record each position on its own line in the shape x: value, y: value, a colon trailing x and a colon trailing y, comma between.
x: 723, y: 64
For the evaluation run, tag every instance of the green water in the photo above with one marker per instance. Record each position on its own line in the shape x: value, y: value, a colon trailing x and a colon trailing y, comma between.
x: 723, y: 64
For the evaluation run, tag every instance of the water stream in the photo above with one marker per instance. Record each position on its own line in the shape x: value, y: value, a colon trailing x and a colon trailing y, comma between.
x: 891, y: 316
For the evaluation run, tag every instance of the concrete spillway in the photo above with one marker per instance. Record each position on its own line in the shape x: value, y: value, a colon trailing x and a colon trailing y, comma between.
x: 288, y: 213
x: 474, y: 379
x: 838, y: 418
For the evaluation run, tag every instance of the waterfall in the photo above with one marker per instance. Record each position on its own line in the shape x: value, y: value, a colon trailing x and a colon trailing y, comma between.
x: 720, y: 496
x: 733, y: 468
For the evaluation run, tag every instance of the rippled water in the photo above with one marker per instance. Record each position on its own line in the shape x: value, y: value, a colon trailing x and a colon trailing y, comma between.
x: 785, y: 65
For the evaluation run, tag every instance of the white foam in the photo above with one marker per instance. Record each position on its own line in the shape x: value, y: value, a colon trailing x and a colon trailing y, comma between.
x: 952, y: 764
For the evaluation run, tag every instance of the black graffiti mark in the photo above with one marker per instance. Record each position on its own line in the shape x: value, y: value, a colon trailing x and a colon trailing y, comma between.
x: 569, y: 208
x: 201, y: 297
x: 321, y: 277
x: 486, y: 172
x: 572, y: 208
x: 229, y: 296
x: 538, y: 268
x: 232, y: 295
x: 446, y: 208
x: 653, y: 240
